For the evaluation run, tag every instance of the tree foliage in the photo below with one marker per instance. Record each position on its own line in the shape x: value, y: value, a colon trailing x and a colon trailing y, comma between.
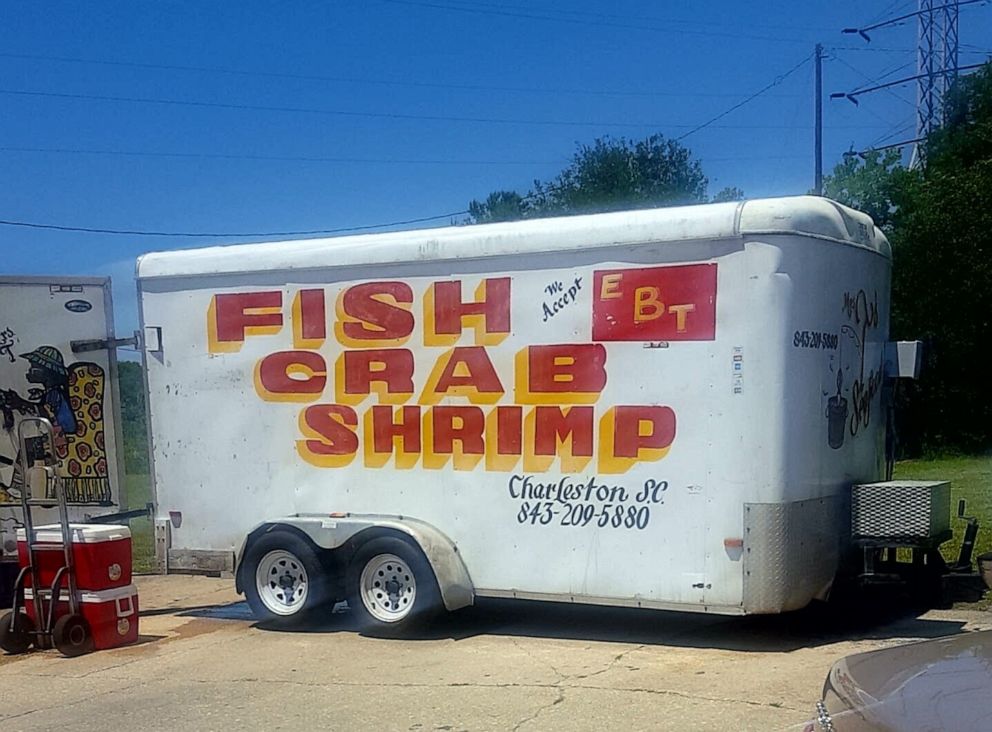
x: 730, y: 193
x: 134, y: 427
x: 939, y: 220
x: 607, y: 175
x: 870, y: 184
x: 499, y: 206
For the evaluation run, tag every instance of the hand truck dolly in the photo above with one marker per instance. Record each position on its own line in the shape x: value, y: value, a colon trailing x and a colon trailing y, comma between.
x: 69, y: 633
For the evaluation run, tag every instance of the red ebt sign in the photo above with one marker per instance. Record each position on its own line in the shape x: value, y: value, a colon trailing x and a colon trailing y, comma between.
x: 655, y: 304
x: 482, y: 373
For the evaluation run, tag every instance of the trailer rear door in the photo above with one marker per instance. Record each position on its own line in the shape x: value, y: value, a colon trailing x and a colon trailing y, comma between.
x: 55, y: 362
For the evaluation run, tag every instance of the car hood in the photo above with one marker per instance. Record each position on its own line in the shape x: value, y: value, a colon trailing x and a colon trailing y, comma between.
x: 942, y: 684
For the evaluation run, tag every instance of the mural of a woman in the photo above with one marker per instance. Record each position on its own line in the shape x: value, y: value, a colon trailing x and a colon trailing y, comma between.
x: 52, y: 397
x: 71, y: 398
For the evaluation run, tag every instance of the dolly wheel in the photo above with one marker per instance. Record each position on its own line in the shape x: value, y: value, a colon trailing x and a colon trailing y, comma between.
x: 71, y: 635
x: 16, y: 632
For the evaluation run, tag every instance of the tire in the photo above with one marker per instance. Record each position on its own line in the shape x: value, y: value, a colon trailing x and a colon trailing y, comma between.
x: 391, y: 588
x: 71, y: 635
x: 16, y: 639
x: 284, y: 578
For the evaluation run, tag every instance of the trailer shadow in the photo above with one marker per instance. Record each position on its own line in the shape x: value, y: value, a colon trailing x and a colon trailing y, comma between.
x: 767, y: 633
x: 230, y: 611
x: 814, y: 626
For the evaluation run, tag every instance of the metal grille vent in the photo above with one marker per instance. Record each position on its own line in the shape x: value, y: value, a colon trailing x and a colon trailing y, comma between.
x: 901, y: 510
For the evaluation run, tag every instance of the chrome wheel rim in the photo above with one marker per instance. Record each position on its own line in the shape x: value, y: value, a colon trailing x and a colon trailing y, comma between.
x: 388, y: 588
x: 282, y: 582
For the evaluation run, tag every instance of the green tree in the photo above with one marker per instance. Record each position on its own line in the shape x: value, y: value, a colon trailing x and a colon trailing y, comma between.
x: 607, y: 175
x: 942, y: 271
x: 870, y: 184
x: 499, y: 206
x: 939, y: 220
x: 965, y: 141
x: 730, y: 193
x: 132, y: 394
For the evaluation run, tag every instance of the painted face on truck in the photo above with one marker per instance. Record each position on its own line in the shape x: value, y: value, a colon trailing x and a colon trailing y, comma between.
x: 40, y: 375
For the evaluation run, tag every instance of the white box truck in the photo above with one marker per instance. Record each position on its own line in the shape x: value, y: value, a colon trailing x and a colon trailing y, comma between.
x: 58, y: 360
x: 661, y: 408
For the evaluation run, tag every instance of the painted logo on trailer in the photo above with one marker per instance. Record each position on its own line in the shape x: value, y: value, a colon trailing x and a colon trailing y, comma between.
x: 78, y: 306
x: 536, y: 404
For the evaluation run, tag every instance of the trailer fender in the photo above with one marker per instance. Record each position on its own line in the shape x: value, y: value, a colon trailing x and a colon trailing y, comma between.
x: 328, y: 532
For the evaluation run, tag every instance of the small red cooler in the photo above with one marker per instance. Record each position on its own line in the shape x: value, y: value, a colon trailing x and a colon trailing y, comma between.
x: 111, y: 614
x: 101, y: 554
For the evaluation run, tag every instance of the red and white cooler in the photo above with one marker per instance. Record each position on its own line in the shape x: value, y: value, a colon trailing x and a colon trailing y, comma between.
x: 111, y: 614
x: 101, y: 554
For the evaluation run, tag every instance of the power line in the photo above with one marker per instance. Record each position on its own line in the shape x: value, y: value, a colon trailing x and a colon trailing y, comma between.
x: 273, y: 158
x: 878, y: 78
x: 891, y: 70
x: 852, y: 95
x: 863, y: 30
x: 596, y: 23
x: 329, y: 112
x: 370, y: 115
x: 215, y: 234
x: 871, y: 49
x: 876, y: 115
x: 891, y: 7
x: 356, y: 79
x: 900, y: 144
x: 896, y: 130
x: 775, y: 82
x: 312, y: 159
x: 614, y: 16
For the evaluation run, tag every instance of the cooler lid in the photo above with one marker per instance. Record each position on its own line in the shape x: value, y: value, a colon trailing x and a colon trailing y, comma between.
x: 97, y: 596
x: 116, y: 593
x: 81, y: 533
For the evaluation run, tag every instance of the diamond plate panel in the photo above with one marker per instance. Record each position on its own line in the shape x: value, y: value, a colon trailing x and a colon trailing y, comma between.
x: 900, y: 510
x: 791, y: 552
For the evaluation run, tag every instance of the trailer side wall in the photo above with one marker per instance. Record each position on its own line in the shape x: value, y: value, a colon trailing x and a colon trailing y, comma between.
x: 601, y: 423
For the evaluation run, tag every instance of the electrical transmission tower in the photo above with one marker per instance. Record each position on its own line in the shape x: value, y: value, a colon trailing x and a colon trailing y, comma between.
x: 936, y: 65
x: 937, y: 62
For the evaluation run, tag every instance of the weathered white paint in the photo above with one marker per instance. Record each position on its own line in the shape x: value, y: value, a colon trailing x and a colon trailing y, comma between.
x: 753, y: 405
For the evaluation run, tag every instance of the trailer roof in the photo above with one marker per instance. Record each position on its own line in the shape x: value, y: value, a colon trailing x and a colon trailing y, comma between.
x: 810, y: 216
x: 53, y: 280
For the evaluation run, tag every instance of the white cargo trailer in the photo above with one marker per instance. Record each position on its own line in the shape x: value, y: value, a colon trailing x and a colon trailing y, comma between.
x: 661, y: 408
x: 58, y: 361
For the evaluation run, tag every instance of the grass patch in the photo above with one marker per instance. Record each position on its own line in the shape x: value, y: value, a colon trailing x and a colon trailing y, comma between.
x: 139, y: 492
x: 971, y: 479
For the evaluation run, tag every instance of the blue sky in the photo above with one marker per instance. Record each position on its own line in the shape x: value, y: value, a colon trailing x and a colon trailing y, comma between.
x: 555, y: 73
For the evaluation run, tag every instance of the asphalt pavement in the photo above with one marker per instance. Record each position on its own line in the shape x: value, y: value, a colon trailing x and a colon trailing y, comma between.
x: 202, y: 663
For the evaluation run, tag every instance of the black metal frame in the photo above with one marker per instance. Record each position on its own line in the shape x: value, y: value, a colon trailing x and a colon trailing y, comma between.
x: 46, y: 619
x: 881, y: 566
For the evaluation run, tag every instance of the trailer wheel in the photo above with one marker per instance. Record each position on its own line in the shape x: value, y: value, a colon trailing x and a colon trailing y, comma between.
x: 284, y: 578
x: 391, y: 587
x: 71, y: 635
x: 15, y: 632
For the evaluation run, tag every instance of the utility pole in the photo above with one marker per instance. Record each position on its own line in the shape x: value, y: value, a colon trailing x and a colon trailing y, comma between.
x: 818, y: 122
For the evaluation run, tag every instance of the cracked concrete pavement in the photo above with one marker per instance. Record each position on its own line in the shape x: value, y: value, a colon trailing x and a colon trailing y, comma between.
x: 204, y: 664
